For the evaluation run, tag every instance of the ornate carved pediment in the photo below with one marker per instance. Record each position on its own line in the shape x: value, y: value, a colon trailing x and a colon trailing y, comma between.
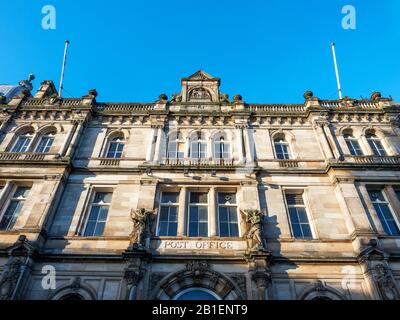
x: 199, y: 95
x: 200, y: 75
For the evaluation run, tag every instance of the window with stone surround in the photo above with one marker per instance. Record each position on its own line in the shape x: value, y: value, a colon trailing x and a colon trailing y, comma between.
x: 115, y: 148
x: 352, y: 144
x: 22, y: 143
x: 282, y: 148
x: 168, y: 216
x: 198, y: 146
x: 198, y: 214
x: 227, y: 215
x: 97, y: 214
x: 384, y: 211
x: 176, y: 146
x: 298, y: 216
x: 45, y: 143
x: 13, y: 207
x: 221, y: 148
x: 376, y: 145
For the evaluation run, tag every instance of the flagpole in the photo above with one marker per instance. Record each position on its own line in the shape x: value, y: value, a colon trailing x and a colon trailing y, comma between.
x: 336, y: 70
x: 63, y: 68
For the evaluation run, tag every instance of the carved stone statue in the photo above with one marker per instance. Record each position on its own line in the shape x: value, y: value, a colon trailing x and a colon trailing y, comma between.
x: 255, y: 218
x: 224, y: 98
x: 176, y: 98
x: 200, y: 94
x: 140, y: 218
x: 9, y: 280
x: 385, y: 282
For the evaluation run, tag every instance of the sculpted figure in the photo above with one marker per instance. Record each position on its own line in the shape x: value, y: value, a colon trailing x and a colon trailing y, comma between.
x: 255, y: 218
x: 140, y: 218
x: 9, y: 280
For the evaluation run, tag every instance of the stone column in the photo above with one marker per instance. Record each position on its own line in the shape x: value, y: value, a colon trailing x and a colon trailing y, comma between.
x: 249, y: 147
x: 150, y: 150
x: 182, y: 212
x: 332, y: 141
x: 239, y: 142
x: 212, y: 213
x: 322, y: 139
x: 366, y: 146
x: 158, y: 144
x: 75, y: 139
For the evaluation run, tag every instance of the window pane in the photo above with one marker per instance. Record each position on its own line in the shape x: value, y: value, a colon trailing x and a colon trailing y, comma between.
x: 193, y: 229
x: 297, y: 230
x: 234, y: 230
x: 172, y: 197
x: 224, y: 230
x: 203, y: 230
x: 21, y: 192
x: 301, y: 212
x: 94, y: 213
x: 223, y: 214
x: 193, y: 216
x: 203, y: 214
x: 226, y: 198
x: 99, y: 229
x: 306, y: 230
x: 103, y: 214
x: 163, y: 229
x: 90, y: 229
x: 173, y: 214
x: 294, y: 199
x: 103, y: 197
x: 196, y: 197
x: 293, y: 215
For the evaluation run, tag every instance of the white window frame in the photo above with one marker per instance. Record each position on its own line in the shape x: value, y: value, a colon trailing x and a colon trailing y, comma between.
x: 349, y: 139
x: 199, y: 142
x: 169, y: 204
x: 82, y: 231
x: 189, y: 205
x: 52, y: 139
x: 307, y: 207
x: 281, y: 141
x: 30, y: 135
x: 223, y: 144
x: 9, y: 199
x: 228, y: 206
x: 387, y: 202
x: 372, y: 137
x: 115, y: 139
x: 178, y: 141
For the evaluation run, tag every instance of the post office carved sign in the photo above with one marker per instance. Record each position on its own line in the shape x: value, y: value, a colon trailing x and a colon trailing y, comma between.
x: 201, y: 245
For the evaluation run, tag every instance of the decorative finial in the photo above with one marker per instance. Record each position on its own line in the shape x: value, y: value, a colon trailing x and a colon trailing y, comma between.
x: 308, y: 95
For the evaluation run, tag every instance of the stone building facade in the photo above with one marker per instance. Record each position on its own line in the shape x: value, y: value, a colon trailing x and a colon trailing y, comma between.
x: 198, y: 196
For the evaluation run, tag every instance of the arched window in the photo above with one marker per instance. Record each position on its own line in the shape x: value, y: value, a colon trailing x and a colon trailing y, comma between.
x: 45, y: 143
x: 23, y: 142
x: 196, y: 294
x: 176, y: 146
x: 282, y: 148
x: 198, y: 147
x: 115, y: 148
x: 221, y: 148
x: 375, y: 144
x: 352, y: 144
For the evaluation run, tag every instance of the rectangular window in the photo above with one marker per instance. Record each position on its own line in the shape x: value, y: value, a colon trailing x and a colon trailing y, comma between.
x: 14, y: 207
x: 198, y: 214
x: 298, y: 215
x: 282, y: 150
x: 98, y: 214
x: 45, y: 144
x: 227, y: 215
x: 168, y: 220
x: 384, y: 213
x: 198, y: 150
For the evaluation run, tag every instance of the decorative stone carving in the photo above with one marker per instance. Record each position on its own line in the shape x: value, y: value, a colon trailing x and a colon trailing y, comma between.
x: 254, y: 217
x: 141, y: 221
x: 9, y: 279
x: 224, y: 98
x: 162, y: 98
x: 176, y: 98
x: 376, y: 96
x: 76, y: 284
x: 240, y: 281
x: 133, y: 273
x: 238, y: 98
x: 385, y: 282
x: 197, y: 266
x: 199, y: 94
x: 308, y: 95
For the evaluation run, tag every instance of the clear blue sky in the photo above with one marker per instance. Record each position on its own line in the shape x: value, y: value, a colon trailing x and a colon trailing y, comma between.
x: 268, y: 51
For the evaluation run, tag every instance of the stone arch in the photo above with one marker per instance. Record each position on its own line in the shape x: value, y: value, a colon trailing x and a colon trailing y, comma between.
x: 320, y: 291
x: 288, y: 137
x: 47, y: 129
x: 200, y: 93
x: 75, y: 289
x: 197, y: 274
